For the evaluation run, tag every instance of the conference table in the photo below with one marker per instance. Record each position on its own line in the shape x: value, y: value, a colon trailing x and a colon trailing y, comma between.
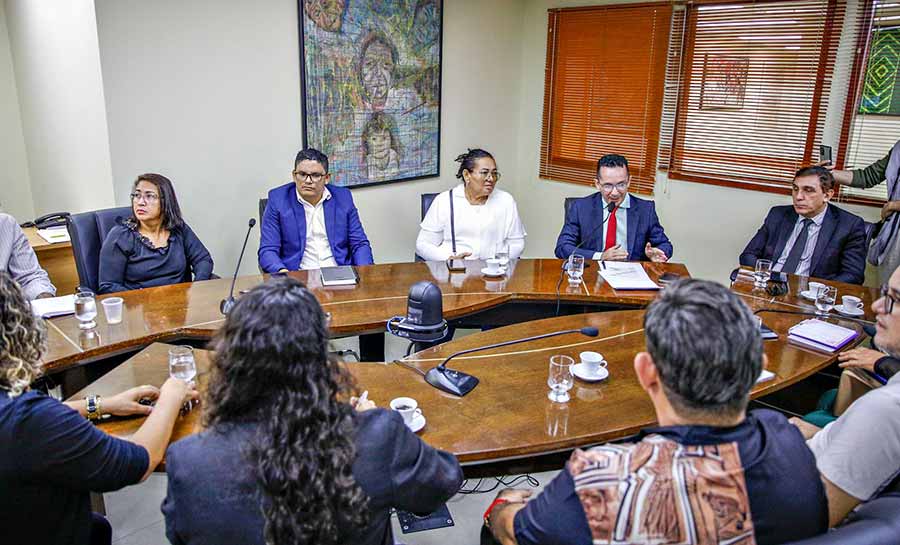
x: 508, y: 415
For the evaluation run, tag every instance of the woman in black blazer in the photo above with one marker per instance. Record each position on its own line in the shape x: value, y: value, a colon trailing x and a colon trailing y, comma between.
x: 283, y: 459
x: 154, y: 247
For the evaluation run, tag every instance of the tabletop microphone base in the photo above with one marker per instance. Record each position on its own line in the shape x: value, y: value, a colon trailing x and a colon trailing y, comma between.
x: 225, y: 305
x: 451, y: 381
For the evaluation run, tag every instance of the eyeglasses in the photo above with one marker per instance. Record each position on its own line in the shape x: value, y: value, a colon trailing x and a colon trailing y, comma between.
x: 483, y: 174
x: 888, y: 299
x: 621, y: 186
x: 315, y: 177
x: 149, y: 197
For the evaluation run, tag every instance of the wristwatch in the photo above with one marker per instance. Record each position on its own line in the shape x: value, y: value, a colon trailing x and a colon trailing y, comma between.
x: 93, y: 407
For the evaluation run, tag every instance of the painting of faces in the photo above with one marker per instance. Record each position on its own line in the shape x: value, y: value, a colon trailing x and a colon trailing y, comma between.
x: 372, y: 87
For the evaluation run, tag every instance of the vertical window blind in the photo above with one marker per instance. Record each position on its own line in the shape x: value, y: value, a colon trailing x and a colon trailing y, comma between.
x: 753, y: 90
x: 604, y: 84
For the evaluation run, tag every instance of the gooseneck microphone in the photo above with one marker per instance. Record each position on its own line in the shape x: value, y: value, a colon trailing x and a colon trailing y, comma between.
x: 611, y: 207
x: 226, y: 304
x: 459, y: 383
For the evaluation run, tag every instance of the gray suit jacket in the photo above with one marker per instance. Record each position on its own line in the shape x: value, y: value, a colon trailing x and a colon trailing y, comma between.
x: 18, y: 259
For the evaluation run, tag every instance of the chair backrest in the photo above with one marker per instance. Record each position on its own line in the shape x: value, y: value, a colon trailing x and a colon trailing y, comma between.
x: 427, y: 199
x: 87, y: 231
x: 262, y: 210
x: 568, y: 205
x: 876, y: 521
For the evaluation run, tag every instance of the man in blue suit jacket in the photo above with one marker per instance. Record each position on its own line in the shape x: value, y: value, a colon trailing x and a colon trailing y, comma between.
x: 812, y: 237
x: 307, y: 225
x: 630, y: 233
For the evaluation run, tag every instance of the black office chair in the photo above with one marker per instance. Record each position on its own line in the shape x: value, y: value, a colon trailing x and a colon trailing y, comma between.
x: 87, y: 231
x: 427, y: 199
x: 876, y: 521
x: 262, y: 210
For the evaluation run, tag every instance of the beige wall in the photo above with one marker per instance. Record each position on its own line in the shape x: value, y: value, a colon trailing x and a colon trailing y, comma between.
x: 57, y: 68
x: 708, y: 225
x: 216, y: 107
x: 15, y: 186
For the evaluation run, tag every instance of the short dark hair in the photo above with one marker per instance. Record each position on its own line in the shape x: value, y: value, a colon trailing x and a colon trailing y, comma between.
x: 467, y: 160
x: 168, y: 202
x: 311, y: 154
x: 612, y: 160
x: 706, y: 346
x: 824, y: 175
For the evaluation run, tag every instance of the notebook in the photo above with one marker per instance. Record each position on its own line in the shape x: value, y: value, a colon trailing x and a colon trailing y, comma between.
x: 54, y: 306
x: 344, y: 275
x: 820, y: 335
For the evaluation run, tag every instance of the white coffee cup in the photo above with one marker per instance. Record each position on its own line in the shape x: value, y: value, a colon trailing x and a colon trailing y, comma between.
x: 407, y: 407
x: 815, y: 286
x: 592, y: 361
x: 851, y: 302
x: 112, y: 308
x: 494, y: 265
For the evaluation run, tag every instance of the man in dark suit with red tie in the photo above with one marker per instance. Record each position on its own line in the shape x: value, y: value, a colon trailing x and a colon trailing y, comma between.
x: 812, y: 237
x: 613, y: 224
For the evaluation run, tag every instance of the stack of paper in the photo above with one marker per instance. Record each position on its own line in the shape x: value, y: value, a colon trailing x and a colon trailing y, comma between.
x: 54, y: 306
x: 765, y: 376
x: 821, y: 335
x: 622, y: 275
x: 54, y: 234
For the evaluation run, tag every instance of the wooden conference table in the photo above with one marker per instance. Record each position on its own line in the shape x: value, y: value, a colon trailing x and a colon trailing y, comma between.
x: 508, y: 415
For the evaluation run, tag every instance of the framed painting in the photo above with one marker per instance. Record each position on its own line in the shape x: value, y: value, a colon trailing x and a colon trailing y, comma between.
x: 724, y: 82
x: 370, y: 75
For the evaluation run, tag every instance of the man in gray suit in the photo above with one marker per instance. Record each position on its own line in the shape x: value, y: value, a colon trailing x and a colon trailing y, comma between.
x: 18, y: 259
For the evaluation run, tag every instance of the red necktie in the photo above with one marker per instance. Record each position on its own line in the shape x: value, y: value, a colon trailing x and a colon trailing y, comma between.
x: 611, y: 230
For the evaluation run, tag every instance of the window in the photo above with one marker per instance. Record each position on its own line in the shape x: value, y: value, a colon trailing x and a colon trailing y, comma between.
x: 753, y: 91
x: 873, y: 108
x: 605, y: 75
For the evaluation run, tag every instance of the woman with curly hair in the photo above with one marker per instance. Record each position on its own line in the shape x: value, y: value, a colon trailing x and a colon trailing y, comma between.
x: 284, y: 461
x: 51, y: 456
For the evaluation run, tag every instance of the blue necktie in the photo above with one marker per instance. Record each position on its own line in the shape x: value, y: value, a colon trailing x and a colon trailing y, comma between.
x: 793, y: 258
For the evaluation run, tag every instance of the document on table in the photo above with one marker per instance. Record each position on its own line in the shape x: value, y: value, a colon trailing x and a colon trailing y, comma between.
x: 54, y: 306
x: 623, y: 275
x: 54, y: 234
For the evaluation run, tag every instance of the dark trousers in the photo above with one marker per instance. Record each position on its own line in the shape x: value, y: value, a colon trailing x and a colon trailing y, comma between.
x: 101, y: 531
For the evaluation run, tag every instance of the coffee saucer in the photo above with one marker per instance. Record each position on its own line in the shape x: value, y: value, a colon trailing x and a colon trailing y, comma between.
x: 808, y: 294
x: 494, y: 274
x: 418, y: 422
x: 849, y: 311
x: 580, y: 370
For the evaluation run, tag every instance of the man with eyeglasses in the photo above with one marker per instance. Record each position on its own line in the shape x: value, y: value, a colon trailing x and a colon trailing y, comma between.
x: 613, y: 224
x: 309, y: 224
x: 858, y: 455
x: 19, y: 260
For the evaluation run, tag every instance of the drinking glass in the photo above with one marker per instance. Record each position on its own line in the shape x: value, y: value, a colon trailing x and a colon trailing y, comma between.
x: 825, y: 300
x: 560, y: 378
x: 575, y: 270
x: 181, y: 363
x: 502, y: 253
x: 85, y: 309
x: 763, y: 272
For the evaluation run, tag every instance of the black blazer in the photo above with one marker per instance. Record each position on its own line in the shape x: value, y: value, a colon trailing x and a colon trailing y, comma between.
x: 213, y: 497
x: 840, y: 252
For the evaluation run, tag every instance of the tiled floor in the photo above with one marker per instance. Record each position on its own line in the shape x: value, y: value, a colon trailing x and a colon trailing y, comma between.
x: 136, y: 518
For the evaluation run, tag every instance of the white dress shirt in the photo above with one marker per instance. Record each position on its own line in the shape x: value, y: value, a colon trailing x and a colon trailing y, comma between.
x: 480, y: 229
x: 317, y: 253
x: 812, y: 236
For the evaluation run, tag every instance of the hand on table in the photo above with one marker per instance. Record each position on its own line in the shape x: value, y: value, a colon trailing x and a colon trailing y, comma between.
x: 616, y: 253
x: 461, y: 255
x: 860, y: 357
x: 128, y: 402
x: 178, y: 391
x: 655, y: 254
x: 365, y: 405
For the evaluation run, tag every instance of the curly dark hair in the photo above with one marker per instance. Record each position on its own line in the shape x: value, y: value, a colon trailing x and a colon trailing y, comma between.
x: 271, y: 366
x: 22, y: 338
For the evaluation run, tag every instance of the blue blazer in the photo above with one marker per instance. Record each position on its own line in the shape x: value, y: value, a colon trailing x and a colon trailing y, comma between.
x: 213, y: 492
x: 583, y: 221
x: 840, y: 252
x: 283, y: 233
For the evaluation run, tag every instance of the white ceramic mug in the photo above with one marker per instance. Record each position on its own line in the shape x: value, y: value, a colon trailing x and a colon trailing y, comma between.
x: 851, y: 302
x: 407, y: 407
x: 592, y: 361
x: 494, y: 265
x: 814, y: 287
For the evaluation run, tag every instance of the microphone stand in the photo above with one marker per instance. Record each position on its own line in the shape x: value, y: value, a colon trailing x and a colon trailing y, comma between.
x: 611, y: 209
x: 459, y: 383
x: 226, y: 305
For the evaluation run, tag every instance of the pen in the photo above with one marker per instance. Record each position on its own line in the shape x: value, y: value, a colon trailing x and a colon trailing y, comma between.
x: 363, y: 397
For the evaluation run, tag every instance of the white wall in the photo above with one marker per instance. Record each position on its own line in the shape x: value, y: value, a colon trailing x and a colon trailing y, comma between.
x: 708, y: 225
x: 208, y: 93
x: 57, y: 68
x: 15, y: 185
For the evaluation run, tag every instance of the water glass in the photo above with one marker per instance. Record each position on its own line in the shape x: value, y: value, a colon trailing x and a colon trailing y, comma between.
x: 825, y: 297
x: 112, y: 307
x: 763, y: 272
x: 502, y: 253
x: 181, y: 363
x: 85, y: 309
x: 575, y: 269
x: 560, y: 379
